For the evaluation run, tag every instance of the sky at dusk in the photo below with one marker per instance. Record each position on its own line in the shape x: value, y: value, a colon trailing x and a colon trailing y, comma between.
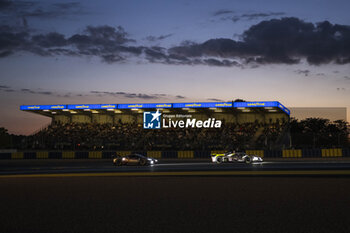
x: 71, y: 52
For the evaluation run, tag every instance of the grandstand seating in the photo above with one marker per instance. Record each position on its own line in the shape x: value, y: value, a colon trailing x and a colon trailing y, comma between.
x: 132, y: 136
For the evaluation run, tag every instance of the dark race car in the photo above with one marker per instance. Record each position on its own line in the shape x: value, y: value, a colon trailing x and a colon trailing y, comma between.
x: 133, y: 159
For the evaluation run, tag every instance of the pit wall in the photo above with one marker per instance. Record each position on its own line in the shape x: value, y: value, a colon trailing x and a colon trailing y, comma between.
x: 292, y: 153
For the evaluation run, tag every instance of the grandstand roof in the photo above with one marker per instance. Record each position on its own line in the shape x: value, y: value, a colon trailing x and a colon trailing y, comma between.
x: 239, y: 107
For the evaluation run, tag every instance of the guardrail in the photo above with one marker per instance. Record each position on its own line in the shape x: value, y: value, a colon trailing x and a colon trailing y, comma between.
x: 188, y: 154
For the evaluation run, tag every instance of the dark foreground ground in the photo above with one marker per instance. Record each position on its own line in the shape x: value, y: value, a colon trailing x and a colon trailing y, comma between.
x: 175, y: 204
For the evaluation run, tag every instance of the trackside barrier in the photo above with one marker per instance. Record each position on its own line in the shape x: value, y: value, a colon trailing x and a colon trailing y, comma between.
x: 336, y: 152
x: 255, y: 152
x: 154, y: 154
x: 95, y: 155
x: 169, y: 154
x: 68, y: 155
x: 346, y: 152
x: 29, y: 155
x: 42, y: 155
x: 186, y: 154
x: 202, y: 154
x: 81, y: 155
x: 5, y: 155
x: 291, y: 153
x: 17, y: 155
x: 56, y: 155
x: 108, y: 154
x: 311, y: 153
x: 273, y: 153
x: 287, y: 153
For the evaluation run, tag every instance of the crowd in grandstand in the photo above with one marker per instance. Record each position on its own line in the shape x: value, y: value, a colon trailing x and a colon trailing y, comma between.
x: 312, y: 132
x: 93, y: 136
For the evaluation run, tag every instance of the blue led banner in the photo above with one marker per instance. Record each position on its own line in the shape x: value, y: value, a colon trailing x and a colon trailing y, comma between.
x: 258, y: 104
x: 43, y: 107
x: 203, y: 105
x: 284, y: 109
x: 255, y: 104
x: 158, y: 105
x: 84, y: 106
x: 108, y: 106
x: 261, y: 104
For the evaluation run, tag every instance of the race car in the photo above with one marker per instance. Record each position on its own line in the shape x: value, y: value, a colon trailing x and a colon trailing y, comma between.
x: 133, y: 159
x: 240, y: 157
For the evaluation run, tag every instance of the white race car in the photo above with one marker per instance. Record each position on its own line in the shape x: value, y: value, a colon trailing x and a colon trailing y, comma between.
x: 240, y: 157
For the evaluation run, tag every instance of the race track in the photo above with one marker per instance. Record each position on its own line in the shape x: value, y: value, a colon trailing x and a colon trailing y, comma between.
x: 174, y: 167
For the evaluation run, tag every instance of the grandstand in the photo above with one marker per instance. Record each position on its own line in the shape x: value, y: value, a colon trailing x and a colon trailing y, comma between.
x: 245, y: 125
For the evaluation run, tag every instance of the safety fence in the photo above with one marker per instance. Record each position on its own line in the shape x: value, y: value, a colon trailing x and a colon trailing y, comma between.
x: 189, y: 154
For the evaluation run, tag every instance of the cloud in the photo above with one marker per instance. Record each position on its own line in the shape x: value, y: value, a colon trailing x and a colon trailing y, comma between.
x: 5, y: 4
x: 130, y: 95
x: 347, y: 78
x: 26, y: 90
x: 67, y: 5
x: 276, y: 41
x: 279, y: 41
x: 180, y: 97
x: 108, y: 43
x: 24, y: 9
x: 117, y: 94
x: 213, y: 99
x: 230, y: 15
x: 256, y: 16
x: 158, y: 38
x: 4, y: 87
x: 39, y: 91
x: 303, y: 72
x: 222, y: 12
x: 341, y: 89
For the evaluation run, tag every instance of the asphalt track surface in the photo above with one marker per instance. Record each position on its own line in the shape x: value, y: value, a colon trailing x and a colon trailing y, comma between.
x: 61, y: 202
x: 174, y: 167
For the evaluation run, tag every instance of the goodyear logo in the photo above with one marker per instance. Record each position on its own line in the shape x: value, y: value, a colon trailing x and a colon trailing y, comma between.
x: 163, y: 105
x: 256, y: 104
x: 224, y: 105
x: 34, y: 107
x: 151, y: 120
x: 108, y: 106
x: 81, y: 106
x: 58, y: 107
x: 193, y: 105
x: 135, y: 106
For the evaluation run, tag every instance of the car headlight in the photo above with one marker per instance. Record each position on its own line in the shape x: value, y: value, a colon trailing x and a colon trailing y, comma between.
x: 123, y: 159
